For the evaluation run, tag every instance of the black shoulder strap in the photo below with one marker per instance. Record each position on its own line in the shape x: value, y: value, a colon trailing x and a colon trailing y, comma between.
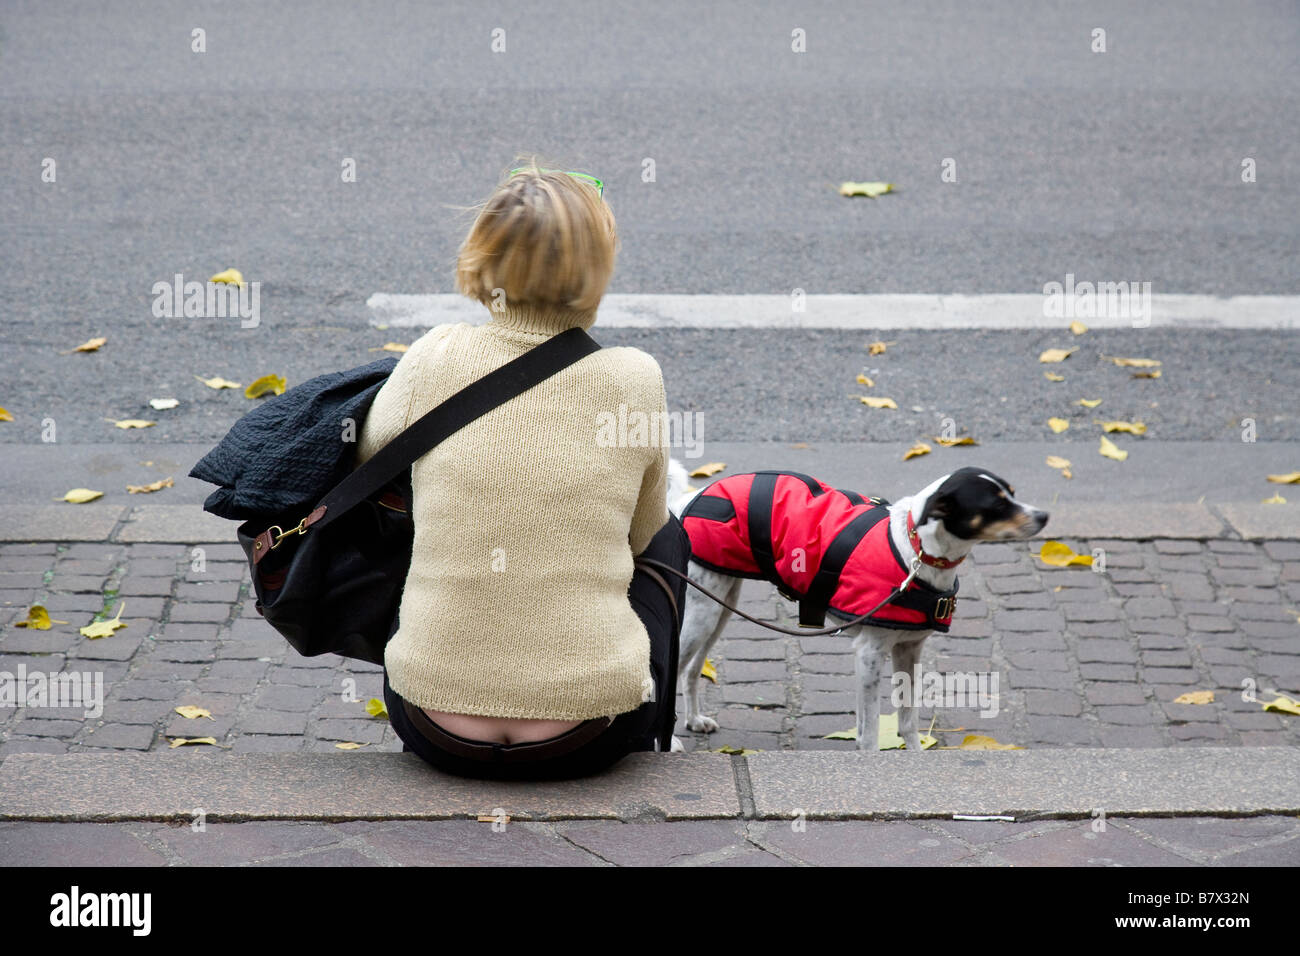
x: 812, y: 608
x: 474, y: 400
x: 761, y: 493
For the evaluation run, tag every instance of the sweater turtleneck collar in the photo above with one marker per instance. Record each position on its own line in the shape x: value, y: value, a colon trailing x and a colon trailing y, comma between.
x: 540, y: 318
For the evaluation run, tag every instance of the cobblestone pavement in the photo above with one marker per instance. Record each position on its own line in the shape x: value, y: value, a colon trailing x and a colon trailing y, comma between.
x: 1170, y: 841
x: 1082, y: 658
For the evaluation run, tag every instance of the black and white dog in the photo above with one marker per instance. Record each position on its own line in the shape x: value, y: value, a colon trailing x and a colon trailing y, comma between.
x: 764, y: 525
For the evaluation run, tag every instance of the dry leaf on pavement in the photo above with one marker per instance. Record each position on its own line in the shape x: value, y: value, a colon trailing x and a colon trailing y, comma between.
x: 231, y: 276
x: 158, y: 485
x: 1061, y: 555
x: 709, y: 470
x: 266, y: 385
x: 1132, y: 428
x: 38, y: 619
x: 917, y: 450
x: 1109, y: 449
x: 79, y: 496
x: 871, y: 190
x: 105, y: 628
x: 191, y: 712
x: 1131, y: 362
x: 217, y: 382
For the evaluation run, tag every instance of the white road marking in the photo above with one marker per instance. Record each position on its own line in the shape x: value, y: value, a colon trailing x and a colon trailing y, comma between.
x: 1012, y: 311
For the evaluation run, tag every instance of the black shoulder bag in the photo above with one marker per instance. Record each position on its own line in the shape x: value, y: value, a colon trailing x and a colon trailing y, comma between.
x: 333, y: 582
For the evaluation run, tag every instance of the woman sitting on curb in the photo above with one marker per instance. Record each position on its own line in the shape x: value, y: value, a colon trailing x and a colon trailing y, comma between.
x: 518, y: 653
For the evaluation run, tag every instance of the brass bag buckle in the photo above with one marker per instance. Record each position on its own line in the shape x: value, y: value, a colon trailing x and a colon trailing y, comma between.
x: 277, y: 538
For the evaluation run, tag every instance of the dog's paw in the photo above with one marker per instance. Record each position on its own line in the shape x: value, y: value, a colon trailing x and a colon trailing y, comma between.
x: 702, y: 725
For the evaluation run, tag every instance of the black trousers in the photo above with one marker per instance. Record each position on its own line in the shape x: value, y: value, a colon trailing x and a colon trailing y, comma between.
x: 649, y: 727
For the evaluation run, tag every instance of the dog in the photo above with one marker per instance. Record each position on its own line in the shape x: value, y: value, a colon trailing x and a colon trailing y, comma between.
x: 929, y: 534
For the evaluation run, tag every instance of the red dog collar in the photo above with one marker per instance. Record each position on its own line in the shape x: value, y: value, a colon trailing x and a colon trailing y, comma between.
x: 915, y: 538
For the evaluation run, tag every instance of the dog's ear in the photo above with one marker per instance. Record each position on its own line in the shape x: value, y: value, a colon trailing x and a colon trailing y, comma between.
x: 936, y: 508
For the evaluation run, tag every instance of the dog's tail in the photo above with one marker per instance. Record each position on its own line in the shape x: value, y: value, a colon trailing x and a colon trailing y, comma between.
x: 678, y: 483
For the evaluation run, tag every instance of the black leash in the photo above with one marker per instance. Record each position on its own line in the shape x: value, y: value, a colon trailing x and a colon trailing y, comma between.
x: 802, y: 632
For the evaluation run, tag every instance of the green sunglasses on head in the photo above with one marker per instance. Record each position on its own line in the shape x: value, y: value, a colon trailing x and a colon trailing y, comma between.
x: 600, y: 186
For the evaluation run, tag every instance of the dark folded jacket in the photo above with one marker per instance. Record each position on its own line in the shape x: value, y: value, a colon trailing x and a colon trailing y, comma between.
x: 286, y: 454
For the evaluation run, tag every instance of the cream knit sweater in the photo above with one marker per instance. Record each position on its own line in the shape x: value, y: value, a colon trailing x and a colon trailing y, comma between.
x: 525, y: 527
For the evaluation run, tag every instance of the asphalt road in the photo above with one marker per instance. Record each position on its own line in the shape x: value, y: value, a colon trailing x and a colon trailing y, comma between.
x: 1117, y: 165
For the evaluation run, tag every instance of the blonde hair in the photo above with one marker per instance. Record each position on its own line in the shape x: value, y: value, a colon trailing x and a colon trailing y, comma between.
x: 543, y: 238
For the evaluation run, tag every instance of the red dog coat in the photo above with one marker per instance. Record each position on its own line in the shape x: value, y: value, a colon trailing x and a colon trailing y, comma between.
x: 828, y: 549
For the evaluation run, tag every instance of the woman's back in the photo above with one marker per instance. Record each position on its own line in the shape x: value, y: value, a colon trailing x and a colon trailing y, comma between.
x: 526, y: 522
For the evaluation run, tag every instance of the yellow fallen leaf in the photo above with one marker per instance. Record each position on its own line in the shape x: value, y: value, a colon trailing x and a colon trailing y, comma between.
x: 1066, y: 473
x: 886, y: 735
x: 873, y: 402
x: 217, y: 382
x: 1056, y: 461
x: 5, y: 416
x: 954, y: 442
x: 735, y: 751
x: 878, y: 348
x: 863, y: 380
x: 158, y: 485
x: 266, y: 385
x: 192, y: 712
x: 375, y: 707
x: 231, y: 276
x: 1110, y: 450
x: 1290, y: 478
x: 1056, y: 355
x: 38, y: 619
x: 799, y: 444
x: 1131, y: 362
x: 131, y: 423
x: 1283, y: 705
x: 1089, y: 402
x: 1133, y: 428
x: 1154, y: 373
x: 709, y: 470
x: 709, y: 670
x: 1077, y: 327
x: 1275, y: 500
x: 1053, y: 377
x: 1061, y: 555
x: 105, y: 628
x: 389, y: 347
x: 90, y: 345
x: 980, y: 742
x: 182, y: 741
x: 917, y: 450
x: 79, y: 496
x: 1195, y: 697
x: 1058, y: 425
x: 162, y: 403
x: 349, y: 745
x: 871, y: 190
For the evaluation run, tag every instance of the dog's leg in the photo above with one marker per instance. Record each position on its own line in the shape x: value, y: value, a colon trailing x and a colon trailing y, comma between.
x: 702, y: 625
x: 868, y: 662
x: 906, y: 656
